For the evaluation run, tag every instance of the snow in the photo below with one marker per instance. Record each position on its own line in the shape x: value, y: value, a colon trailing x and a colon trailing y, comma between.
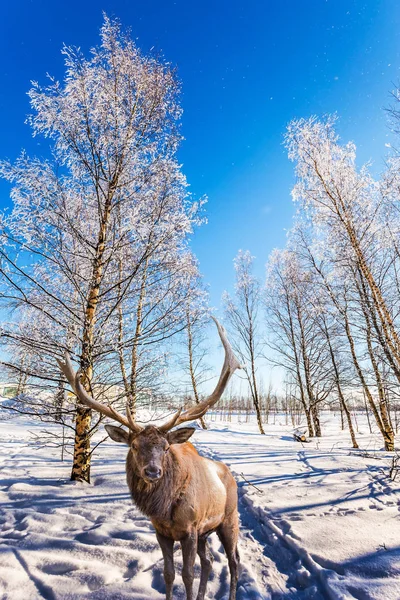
x: 318, y: 520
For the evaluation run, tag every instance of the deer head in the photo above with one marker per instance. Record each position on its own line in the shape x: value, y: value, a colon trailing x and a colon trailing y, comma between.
x: 150, y: 448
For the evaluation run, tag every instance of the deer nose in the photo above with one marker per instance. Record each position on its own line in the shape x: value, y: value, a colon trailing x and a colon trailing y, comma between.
x: 152, y: 472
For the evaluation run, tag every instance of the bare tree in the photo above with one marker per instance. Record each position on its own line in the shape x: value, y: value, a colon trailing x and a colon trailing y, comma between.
x: 242, y: 314
x: 86, y: 228
x: 295, y: 337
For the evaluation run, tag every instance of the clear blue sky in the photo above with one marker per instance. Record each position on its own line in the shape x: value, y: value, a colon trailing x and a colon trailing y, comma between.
x: 247, y: 68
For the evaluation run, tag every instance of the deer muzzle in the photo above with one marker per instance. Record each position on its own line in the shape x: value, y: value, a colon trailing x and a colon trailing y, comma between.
x: 152, y: 473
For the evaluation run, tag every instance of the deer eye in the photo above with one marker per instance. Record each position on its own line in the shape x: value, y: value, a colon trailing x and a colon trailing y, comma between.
x: 166, y: 450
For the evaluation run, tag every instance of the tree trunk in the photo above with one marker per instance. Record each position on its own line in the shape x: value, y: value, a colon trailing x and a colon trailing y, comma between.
x: 388, y: 434
x: 256, y: 399
x: 315, y: 417
x: 343, y: 405
x: 22, y: 377
x: 298, y: 373
x: 341, y: 415
x: 253, y: 378
x: 133, y: 395
x: 310, y: 426
x: 367, y: 412
x: 348, y: 415
x: 316, y: 429
x: 387, y: 430
x: 59, y: 400
x: 259, y: 418
x: 81, y: 463
x: 125, y: 379
x: 82, y: 453
x: 364, y: 383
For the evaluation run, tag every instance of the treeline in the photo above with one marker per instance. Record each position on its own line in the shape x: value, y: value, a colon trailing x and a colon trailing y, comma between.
x: 287, y: 410
x: 332, y: 295
x: 328, y: 314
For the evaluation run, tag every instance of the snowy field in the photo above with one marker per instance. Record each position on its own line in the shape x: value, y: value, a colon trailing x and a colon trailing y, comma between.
x: 317, y: 520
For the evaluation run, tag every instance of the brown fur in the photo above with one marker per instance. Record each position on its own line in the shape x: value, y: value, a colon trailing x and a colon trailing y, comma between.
x: 192, y: 497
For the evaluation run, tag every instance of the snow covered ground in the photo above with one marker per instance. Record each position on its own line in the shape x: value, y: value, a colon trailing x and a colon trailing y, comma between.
x: 317, y: 521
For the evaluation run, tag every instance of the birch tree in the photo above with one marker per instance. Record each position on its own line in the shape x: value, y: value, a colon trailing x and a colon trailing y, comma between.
x: 346, y: 203
x: 242, y: 314
x: 353, y: 251
x: 86, y: 224
x: 295, y: 337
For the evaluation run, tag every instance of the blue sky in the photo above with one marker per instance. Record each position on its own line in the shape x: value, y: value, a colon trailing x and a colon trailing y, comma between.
x: 247, y: 68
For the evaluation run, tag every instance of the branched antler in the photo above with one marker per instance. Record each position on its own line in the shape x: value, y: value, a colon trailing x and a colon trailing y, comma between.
x: 230, y: 365
x: 108, y: 411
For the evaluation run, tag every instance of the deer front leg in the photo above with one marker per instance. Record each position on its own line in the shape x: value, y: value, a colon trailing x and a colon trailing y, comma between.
x: 189, y: 551
x: 206, y: 560
x: 167, y: 548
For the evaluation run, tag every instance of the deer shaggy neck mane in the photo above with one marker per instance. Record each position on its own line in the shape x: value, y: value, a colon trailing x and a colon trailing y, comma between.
x: 159, y: 499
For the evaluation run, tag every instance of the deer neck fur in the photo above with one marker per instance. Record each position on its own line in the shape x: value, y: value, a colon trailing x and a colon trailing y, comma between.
x: 158, y: 500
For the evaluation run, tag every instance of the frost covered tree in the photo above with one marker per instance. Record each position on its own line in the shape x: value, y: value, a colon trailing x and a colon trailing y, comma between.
x: 150, y: 316
x: 345, y: 240
x: 100, y: 227
x: 346, y: 204
x: 243, y: 316
x: 337, y: 288
x: 294, y: 335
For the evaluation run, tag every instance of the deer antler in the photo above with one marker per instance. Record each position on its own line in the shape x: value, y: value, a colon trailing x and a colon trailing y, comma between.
x: 231, y: 363
x: 75, y: 382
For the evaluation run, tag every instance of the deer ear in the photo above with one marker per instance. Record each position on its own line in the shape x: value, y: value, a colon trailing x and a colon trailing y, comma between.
x: 179, y: 436
x: 117, y: 434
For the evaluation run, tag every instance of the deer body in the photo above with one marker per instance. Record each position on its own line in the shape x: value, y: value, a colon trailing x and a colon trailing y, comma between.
x: 186, y: 496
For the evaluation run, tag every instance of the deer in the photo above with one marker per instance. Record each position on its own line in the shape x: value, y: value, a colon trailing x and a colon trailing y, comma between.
x: 186, y: 496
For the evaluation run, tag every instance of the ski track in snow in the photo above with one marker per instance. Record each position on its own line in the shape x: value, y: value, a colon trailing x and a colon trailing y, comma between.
x: 288, y: 570
x: 62, y: 540
x: 266, y: 553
